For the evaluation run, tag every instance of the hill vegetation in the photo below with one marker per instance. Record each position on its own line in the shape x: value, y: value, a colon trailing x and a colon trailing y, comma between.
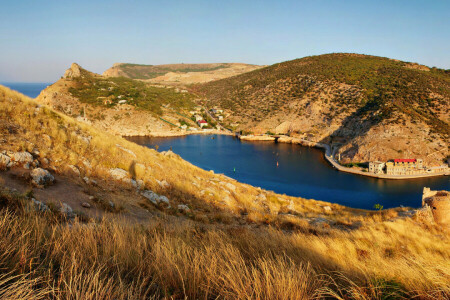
x: 350, y: 93
x: 96, y: 90
x: 235, y: 242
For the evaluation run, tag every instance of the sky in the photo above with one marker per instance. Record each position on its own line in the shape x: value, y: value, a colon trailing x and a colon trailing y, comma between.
x: 40, y: 39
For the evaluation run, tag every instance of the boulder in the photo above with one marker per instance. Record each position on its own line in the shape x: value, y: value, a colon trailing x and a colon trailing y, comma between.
x: 40, y: 177
x: 4, y: 161
x: 73, y: 169
x: 119, y: 174
x: 39, y: 205
x: 86, y: 205
x: 22, y: 158
x: 67, y: 211
x: 155, y: 198
x: 183, y: 208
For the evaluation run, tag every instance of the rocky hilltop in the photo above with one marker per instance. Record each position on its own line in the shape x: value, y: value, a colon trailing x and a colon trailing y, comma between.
x: 369, y: 108
x: 120, y: 106
x: 179, y: 74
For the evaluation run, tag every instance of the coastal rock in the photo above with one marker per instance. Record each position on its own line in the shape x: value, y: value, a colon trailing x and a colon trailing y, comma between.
x: 155, y: 198
x: 41, y: 177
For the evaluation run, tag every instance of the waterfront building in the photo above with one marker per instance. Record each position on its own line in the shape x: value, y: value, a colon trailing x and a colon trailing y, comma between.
x: 376, y: 167
x: 403, y: 166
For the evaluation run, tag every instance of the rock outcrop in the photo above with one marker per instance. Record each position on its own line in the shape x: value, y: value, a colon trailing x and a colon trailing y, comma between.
x: 73, y: 72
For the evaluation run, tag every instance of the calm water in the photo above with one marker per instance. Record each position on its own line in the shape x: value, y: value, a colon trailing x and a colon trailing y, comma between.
x: 302, y: 171
x: 30, y: 89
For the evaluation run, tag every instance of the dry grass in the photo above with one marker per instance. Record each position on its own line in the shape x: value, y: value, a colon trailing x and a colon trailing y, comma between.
x: 242, y: 249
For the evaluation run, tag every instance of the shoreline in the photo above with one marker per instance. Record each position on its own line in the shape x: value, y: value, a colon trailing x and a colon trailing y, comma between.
x: 329, y: 157
x: 181, y: 133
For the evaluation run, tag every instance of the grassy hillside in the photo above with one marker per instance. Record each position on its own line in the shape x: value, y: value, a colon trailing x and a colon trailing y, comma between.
x: 378, y: 84
x: 237, y: 241
x: 100, y: 91
x: 137, y: 71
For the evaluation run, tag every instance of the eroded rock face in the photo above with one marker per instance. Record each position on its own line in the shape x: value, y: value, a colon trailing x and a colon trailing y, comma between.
x: 41, y: 177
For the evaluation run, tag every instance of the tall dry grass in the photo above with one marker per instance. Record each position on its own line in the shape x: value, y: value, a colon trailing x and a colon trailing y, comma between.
x: 173, y: 258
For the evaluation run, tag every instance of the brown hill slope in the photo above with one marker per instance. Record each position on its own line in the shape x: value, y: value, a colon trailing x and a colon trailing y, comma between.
x: 179, y: 74
x: 236, y: 241
x: 121, y: 106
x: 371, y: 108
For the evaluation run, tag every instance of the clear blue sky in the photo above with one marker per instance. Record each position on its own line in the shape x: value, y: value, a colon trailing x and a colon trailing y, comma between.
x: 40, y: 39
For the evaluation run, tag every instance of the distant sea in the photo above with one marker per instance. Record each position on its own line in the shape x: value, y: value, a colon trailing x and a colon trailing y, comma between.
x: 29, y: 89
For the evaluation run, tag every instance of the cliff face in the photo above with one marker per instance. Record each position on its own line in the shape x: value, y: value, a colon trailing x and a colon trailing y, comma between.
x: 372, y: 108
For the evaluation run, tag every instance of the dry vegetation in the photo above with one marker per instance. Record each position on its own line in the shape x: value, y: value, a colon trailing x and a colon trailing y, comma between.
x: 247, y: 247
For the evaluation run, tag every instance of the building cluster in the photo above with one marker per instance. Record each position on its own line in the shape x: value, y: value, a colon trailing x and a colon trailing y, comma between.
x: 410, y: 166
x: 197, y: 115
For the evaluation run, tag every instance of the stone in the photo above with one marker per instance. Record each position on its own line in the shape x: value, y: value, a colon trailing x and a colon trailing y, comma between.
x: 91, y: 198
x: 67, y: 210
x: 183, y: 208
x: 41, y: 176
x: 164, y: 184
x: 155, y: 198
x: 112, y: 205
x: 39, y: 205
x: 4, y: 161
x: 74, y: 170
x: 22, y: 158
x: 229, y: 185
x: 119, y: 174
x: 327, y: 208
x: 86, y: 205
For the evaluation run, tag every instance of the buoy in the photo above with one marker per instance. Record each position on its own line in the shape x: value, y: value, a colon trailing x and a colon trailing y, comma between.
x: 278, y: 164
x: 234, y: 170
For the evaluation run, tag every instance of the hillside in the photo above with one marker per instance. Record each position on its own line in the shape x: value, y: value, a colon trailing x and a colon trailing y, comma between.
x: 121, y: 106
x: 370, y: 108
x: 114, y: 220
x: 178, y: 74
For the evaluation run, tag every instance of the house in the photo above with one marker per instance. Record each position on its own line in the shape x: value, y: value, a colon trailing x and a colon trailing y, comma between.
x: 198, y: 118
x: 220, y: 118
x: 376, y: 167
x: 202, y: 123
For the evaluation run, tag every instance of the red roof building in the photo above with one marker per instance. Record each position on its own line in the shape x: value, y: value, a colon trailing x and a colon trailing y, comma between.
x: 405, y: 160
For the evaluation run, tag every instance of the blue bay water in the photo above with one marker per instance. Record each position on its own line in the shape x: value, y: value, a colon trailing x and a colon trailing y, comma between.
x: 301, y: 171
x: 29, y: 89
